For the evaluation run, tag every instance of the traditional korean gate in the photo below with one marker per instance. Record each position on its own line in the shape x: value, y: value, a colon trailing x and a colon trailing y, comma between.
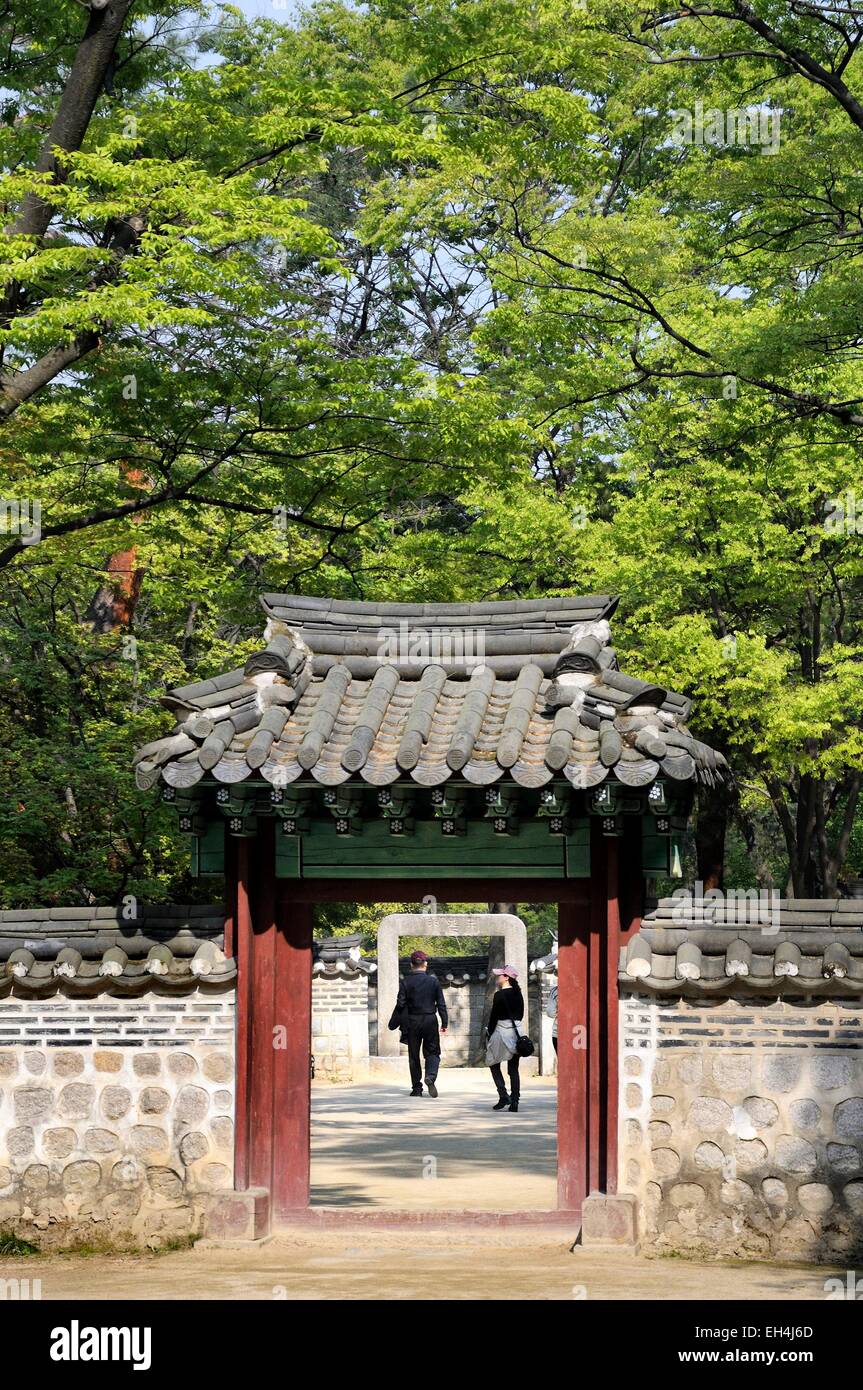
x: 480, y: 753
x: 271, y: 933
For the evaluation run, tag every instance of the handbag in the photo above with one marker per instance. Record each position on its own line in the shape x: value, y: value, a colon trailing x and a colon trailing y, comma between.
x: 523, y: 1045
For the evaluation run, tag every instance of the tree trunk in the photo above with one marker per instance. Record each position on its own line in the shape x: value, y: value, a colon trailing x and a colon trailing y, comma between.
x: 711, y: 825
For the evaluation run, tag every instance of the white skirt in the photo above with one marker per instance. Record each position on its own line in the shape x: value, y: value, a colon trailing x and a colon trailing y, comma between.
x: 501, y: 1044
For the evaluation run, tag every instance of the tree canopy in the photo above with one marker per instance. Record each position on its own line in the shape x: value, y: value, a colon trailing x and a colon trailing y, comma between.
x: 445, y: 301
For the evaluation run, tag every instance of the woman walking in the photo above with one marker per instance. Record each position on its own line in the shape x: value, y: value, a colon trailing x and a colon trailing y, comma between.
x: 507, y: 1010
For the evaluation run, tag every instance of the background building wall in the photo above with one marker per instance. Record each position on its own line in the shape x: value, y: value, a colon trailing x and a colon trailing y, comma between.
x: 741, y: 1126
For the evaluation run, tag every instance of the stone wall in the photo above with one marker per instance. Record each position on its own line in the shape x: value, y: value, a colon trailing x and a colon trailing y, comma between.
x: 741, y: 1127
x: 340, y: 1027
x: 116, y: 1115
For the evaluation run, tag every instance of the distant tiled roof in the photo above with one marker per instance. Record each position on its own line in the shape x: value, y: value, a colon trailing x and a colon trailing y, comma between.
x: 89, y: 951
x: 769, y: 947
x: 378, y: 692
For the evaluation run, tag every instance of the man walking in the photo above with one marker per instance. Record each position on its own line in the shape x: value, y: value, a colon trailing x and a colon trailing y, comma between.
x: 420, y: 1000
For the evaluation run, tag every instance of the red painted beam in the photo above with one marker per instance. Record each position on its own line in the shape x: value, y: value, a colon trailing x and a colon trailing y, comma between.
x: 292, y: 1055
x: 414, y: 890
x: 572, y: 1075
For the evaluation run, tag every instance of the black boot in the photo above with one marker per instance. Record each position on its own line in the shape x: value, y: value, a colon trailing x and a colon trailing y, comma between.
x: 431, y: 1088
x: 513, y: 1105
x: 417, y: 1091
x: 502, y: 1103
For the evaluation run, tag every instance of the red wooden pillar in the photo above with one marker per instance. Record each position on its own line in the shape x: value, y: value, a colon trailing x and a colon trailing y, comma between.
x: 243, y: 951
x: 596, y: 1012
x: 612, y: 944
x: 262, y: 1005
x: 292, y: 1057
x: 572, y: 1066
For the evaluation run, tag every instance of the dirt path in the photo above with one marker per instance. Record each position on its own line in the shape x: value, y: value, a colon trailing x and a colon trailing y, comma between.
x: 412, y: 1264
x: 373, y: 1145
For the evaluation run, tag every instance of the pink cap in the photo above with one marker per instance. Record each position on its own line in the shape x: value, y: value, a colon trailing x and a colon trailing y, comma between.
x: 508, y: 970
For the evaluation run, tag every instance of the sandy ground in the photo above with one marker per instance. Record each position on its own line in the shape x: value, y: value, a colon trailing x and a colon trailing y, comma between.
x: 376, y: 1148
x: 413, y: 1264
x: 373, y: 1145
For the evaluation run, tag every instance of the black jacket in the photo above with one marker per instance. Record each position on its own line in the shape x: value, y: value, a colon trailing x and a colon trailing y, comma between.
x: 507, y: 1004
x: 420, y: 994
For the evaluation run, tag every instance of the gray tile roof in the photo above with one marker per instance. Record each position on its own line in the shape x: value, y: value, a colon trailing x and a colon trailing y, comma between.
x: 89, y: 951
x: 770, y: 947
x: 377, y: 692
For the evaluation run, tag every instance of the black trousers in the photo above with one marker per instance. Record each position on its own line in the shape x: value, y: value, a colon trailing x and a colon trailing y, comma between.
x: 512, y: 1072
x: 423, y: 1036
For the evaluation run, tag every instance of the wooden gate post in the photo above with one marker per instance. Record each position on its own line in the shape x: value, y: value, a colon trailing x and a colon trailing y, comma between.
x: 292, y: 1055
x: 572, y: 1055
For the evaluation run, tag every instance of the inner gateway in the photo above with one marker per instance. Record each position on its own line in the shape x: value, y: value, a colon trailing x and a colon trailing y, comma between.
x: 372, y: 1146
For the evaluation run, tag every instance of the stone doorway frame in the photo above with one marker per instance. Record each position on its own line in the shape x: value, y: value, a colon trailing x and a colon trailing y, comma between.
x: 399, y: 924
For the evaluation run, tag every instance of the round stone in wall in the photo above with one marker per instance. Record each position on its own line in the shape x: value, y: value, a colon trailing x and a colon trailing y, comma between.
x: 8, y: 1063
x: 146, y: 1064
x: 82, y: 1176
x: 634, y: 1133
x: 37, y: 1177
x: 101, y: 1141
x: 103, y: 1060
x: 20, y: 1141
x: 815, y: 1198
x: 687, y: 1194
x: 709, y: 1113
x: 631, y: 1065
x: 127, y: 1173
x: 222, y: 1130
x: 633, y: 1096
x: 691, y: 1070
x: 709, y: 1157
x: 218, y: 1066
x: 75, y: 1101
x: 831, y: 1073
x: 5, y: 1178
x: 166, y: 1182
x: 633, y: 1173
x: 762, y: 1112
x: 662, y: 1105
x: 660, y: 1132
x: 805, y: 1114
x: 58, y: 1143
x: 853, y: 1194
x: 736, y: 1193
x: 848, y: 1118
x: 795, y: 1155
x: 191, y: 1105
x: 115, y: 1102
x: 33, y: 1103
x: 224, y: 1100
x: 216, y: 1175
x: 843, y: 1158
x: 730, y: 1073
x: 750, y: 1155
x: 148, y: 1140
x: 194, y: 1146
x: 775, y: 1192
x: 182, y: 1064
x: 35, y: 1062
x: 666, y: 1163
x: 781, y: 1072
x: 68, y: 1063
x: 154, y: 1100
